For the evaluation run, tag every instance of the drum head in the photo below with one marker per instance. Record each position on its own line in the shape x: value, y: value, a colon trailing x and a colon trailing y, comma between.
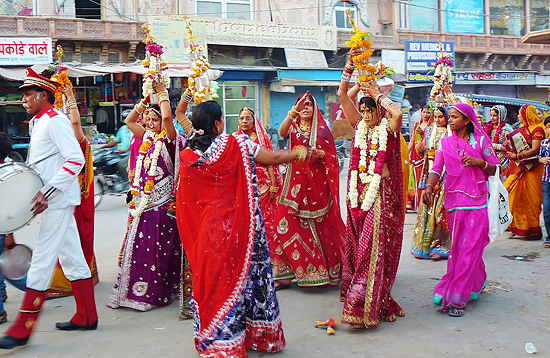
x: 17, y: 190
x: 15, y: 262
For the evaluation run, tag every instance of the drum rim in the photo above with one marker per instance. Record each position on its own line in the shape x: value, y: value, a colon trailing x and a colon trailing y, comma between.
x: 2, y: 254
x: 22, y: 167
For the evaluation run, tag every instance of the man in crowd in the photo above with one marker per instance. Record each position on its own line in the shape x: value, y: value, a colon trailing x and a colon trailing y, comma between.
x: 56, y: 154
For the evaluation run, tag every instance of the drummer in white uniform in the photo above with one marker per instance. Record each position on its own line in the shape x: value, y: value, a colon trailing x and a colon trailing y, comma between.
x: 56, y: 154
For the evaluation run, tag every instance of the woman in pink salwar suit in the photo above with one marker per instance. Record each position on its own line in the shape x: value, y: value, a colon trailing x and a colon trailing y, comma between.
x: 469, y: 160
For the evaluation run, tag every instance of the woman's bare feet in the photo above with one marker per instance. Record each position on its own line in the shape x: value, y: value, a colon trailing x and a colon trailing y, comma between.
x: 282, y: 284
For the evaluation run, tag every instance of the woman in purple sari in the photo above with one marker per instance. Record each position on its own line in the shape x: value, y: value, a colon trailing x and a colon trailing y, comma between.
x: 469, y: 160
x: 151, y: 259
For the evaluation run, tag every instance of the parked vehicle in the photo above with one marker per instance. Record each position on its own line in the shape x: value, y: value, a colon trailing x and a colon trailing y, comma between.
x: 107, y: 179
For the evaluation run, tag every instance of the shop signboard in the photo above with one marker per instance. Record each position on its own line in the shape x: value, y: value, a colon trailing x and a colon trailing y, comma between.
x: 421, y: 56
x: 464, y: 16
x: 25, y: 50
x: 394, y: 59
x: 173, y: 36
x: 495, y: 76
x: 423, y: 77
x: 298, y: 58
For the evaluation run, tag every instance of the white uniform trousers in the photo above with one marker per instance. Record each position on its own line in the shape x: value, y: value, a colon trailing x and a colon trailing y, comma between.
x: 57, y: 237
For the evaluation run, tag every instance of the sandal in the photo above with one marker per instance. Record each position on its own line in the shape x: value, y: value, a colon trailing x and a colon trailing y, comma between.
x: 546, y: 244
x: 455, y: 311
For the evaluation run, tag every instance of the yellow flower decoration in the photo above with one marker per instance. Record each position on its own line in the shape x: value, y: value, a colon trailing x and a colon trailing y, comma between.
x: 144, y: 147
x: 362, y: 168
x: 149, y: 186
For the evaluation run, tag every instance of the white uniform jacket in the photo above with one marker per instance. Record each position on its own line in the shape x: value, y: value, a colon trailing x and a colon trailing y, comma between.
x: 56, y: 154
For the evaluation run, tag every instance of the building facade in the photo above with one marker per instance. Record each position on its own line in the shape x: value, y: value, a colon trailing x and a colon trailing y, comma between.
x: 272, y: 50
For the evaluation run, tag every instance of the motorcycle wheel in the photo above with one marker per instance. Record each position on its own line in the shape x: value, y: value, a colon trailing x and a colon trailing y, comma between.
x: 98, y: 192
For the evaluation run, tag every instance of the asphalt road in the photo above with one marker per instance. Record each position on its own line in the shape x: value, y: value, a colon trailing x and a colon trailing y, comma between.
x: 513, y: 311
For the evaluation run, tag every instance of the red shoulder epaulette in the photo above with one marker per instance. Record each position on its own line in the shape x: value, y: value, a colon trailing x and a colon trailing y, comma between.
x: 51, y: 112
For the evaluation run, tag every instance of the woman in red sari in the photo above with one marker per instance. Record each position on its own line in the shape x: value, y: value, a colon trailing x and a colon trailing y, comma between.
x: 374, y: 232
x: 310, y: 229
x: 269, y: 178
x: 83, y: 213
x: 223, y: 233
x: 416, y: 154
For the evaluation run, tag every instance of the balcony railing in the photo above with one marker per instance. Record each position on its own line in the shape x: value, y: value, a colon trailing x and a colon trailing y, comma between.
x: 71, y: 29
x: 484, y: 44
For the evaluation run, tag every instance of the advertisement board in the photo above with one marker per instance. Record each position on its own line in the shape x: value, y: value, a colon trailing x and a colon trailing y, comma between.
x: 464, y: 16
x: 25, y: 50
x: 421, y: 56
x: 173, y: 36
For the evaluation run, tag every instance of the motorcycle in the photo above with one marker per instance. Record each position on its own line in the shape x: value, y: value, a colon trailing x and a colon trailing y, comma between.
x: 107, y: 179
x: 341, y: 150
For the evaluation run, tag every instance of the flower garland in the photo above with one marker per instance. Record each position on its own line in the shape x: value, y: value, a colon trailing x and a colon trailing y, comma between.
x: 154, y: 65
x: 157, y: 141
x: 199, y: 84
x: 59, y: 76
x: 443, y: 73
x: 371, y: 175
x: 360, y: 39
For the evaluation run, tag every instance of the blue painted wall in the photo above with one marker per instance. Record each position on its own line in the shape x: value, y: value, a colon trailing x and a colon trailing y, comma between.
x: 281, y: 103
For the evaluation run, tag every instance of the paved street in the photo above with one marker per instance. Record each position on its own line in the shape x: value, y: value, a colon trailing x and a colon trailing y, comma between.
x: 513, y: 312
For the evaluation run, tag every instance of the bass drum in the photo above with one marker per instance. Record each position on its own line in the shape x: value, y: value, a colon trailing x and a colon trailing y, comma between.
x: 18, y: 186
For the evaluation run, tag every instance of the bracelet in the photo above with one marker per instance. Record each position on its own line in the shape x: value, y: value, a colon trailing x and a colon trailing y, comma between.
x: 350, y: 66
x: 290, y: 115
x: 452, y: 97
x: 273, y: 189
x: 293, y: 109
x: 186, y: 96
x: 386, y: 102
x: 346, y: 77
x: 486, y: 165
x: 186, y: 124
x: 163, y: 96
x: 301, y: 152
x: 429, y: 186
x: 140, y: 107
x: 73, y: 106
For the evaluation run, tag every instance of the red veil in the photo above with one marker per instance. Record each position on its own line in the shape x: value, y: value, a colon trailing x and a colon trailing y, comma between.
x: 320, y: 138
x: 216, y: 228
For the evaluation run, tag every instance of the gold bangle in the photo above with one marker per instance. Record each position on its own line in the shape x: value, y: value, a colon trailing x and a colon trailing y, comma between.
x: 290, y: 115
x: 140, y: 107
x: 162, y: 100
x: 274, y: 189
x: 73, y: 106
x: 486, y: 165
x: 300, y: 151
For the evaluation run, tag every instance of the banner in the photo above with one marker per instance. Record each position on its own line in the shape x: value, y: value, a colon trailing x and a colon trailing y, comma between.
x: 495, y: 76
x: 421, y: 56
x: 25, y: 50
x: 423, y: 77
x: 464, y: 16
x: 173, y: 36
x: 424, y: 15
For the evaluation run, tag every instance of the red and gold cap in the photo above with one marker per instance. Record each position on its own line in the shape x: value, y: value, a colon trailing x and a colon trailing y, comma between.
x: 33, y: 79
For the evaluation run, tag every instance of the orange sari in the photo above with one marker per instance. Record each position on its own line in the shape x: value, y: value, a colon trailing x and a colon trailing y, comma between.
x: 525, y: 187
x: 84, y: 215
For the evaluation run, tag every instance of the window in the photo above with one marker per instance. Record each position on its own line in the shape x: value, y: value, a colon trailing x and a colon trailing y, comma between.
x: 403, y: 15
x: 87, y: 9
x: 233, y: 96
x: 508, y: 17
x: 341, y: 21
x: 539, y: 14
x: 424, y: 15
x: 231, y: 9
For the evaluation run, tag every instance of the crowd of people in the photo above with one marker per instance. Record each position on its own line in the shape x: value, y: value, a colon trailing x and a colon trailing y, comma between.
x: 213, y: 221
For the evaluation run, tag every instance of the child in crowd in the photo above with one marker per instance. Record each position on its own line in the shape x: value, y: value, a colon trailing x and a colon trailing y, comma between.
x: 6, y: 240
x: 544, y: 159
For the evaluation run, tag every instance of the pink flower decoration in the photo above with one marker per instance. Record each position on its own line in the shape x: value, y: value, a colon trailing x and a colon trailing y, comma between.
x: 154, y: 49
x: 380, y: 160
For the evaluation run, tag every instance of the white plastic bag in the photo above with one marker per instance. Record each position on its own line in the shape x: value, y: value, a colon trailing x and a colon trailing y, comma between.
x: 498, y: 208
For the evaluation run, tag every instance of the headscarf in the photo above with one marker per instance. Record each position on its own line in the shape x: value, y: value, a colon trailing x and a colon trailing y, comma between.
x: 263, y: 138
x: 530, y: 117
x: 470, y: 112
x: 501, y: 113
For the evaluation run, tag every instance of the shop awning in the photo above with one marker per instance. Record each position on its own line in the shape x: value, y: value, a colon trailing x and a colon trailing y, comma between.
x: 18, y: 73
x: 537, y: 37
x: 326, y: 77
x: 493, y: 100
